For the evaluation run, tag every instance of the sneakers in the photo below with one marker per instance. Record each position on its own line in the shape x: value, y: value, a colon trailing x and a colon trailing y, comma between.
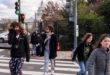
x: 45, y: 73
x: 52, y: 72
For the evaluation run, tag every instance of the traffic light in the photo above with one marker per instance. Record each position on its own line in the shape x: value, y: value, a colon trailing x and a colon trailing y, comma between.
x: 69, y: 12
x: 17, y: 8
x: 22, y: 17
x: 68, y: 7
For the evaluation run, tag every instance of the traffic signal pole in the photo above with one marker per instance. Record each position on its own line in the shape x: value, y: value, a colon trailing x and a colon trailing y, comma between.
x: 75, y: 23
x: 74, y: 20
x: 21, y: 16
x: 19, y: 1
x: 71, y: 8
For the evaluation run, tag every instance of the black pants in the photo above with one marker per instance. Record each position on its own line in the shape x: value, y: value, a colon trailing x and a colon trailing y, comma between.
x: 38, y: 50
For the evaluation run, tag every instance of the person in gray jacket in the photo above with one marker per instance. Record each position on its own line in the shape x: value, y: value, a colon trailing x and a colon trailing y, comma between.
x: 99, y: 60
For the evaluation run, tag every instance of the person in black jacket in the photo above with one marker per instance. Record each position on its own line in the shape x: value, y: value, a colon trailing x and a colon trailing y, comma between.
x: 49, y: 48
x: 34, y: 42
x: 83, y: 51
x: 19, y: 48
x: 39, y: 44
x: 43, y: 36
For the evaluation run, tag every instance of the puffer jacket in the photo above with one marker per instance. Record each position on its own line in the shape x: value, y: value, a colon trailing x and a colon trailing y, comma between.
x: 99, y: 62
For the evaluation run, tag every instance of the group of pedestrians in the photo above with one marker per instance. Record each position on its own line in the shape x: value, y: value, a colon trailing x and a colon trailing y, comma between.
x: 45, y: 44
x: 93, y: 60
x: 19, y: 42
x: 36, y: 41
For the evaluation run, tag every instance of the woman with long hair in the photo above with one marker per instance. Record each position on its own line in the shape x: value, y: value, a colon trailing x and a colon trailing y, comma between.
x: 50, y: 48
x: 99, y: 60
x: 83, y: 51
x: 19, y: 48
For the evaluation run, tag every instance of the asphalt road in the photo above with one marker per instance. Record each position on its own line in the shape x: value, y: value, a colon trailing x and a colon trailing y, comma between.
x: 4, y: 46
x: 35, y: 66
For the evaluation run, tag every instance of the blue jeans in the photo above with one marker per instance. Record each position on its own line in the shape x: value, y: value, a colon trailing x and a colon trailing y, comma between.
x: 82, y: 65
x: 33, y: 48
x: 46, y: 62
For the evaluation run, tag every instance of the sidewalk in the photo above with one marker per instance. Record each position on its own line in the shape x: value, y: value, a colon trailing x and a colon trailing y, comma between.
x: 64, y: 55
x: 61, y: 55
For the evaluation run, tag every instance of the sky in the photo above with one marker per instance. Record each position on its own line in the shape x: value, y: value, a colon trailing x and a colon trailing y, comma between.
x: 29, y: 7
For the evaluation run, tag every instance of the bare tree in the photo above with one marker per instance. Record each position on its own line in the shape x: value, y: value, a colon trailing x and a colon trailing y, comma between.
x: 51, y: 13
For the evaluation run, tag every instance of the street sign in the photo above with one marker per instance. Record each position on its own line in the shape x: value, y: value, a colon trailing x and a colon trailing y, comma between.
x: 77, y: 30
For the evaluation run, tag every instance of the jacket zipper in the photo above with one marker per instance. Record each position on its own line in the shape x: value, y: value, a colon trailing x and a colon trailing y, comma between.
x: 106, y: 65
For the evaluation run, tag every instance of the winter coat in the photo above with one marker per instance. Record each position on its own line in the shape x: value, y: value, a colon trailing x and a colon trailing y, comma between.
x: 52, y: 47
x: 34, y: 38
x: 19, y: 46
x: 39, y: 39
x: 11, y: 36
x: 99, y: 62
x: 79, y: 52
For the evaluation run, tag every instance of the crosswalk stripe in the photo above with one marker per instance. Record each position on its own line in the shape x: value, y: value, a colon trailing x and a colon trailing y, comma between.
x: 30, y: 72
x: 2, y: 56
x: 4, y: 65
x: 41, y: 63
x: 65, y: 69
x: 40, y: 60
x: 61, y: 66
x: 1, y: 50
x: 57, y: 68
